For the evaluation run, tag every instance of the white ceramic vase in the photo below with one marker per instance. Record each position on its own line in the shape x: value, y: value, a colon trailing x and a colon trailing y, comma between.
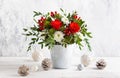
x: 61, y: 56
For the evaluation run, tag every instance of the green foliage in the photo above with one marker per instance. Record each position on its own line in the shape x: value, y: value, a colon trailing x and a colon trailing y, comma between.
x: 37, y: 13
x: 88, y: 44
x: 45, y: 37
x: 85, y: 32
x: 24, y: 29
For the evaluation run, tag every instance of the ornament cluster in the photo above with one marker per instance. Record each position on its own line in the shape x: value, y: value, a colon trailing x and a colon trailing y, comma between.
x: 86, y: 60
x: 24, y: 70
x: 46, y: 64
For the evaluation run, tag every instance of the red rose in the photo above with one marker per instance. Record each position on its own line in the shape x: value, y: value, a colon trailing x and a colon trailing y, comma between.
x: 56, y: 24
x: 41, y: 23
x: 74, y: 27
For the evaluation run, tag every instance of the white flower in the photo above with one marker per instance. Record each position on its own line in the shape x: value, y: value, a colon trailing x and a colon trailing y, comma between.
x: 65, y: 20
x: 58, y: 36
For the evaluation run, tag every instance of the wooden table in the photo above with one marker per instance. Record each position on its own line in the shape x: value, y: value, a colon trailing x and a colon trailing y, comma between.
x: 9, y: 67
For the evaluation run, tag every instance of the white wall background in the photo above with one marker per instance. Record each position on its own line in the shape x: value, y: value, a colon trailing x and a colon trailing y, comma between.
x: 102, y: 17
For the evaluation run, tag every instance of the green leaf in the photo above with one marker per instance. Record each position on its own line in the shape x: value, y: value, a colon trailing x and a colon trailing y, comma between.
x: 80, y: 47
x: 40, y: 42
x: 49, y: 19
x: 30, y: 33
x: 25, y: 29
x: 33, y: 39
x: 88, y: 44
x: 46, y: 45
x: 35, y: 20
x: 62, y: 28
x: 27, y: 34
x: 61, y: 9
x: 37, y: 39
x: 41, y: 46
x: 34, y: 28
x: 37, y: 13
x: 43, y: 34
x: 29, y: 48
x: 89, y: 34
x: 51, y: 31
x: 50, y: 37
x: 47, y: 23
x: 68, y: 15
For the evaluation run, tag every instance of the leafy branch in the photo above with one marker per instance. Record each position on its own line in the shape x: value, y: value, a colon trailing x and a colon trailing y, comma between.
x: 85, y: 32
x: 88, y: 44
x: 48, y: 31
x: 36, y: 13
x: 33, y: 31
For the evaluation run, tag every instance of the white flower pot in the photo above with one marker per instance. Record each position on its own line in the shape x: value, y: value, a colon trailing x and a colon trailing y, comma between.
x: 61, y: 56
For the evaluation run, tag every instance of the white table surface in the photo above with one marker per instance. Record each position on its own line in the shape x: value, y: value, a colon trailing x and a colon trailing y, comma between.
x: 9, y: 67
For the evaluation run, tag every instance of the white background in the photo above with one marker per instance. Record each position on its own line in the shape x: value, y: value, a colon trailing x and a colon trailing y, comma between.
x: 101, y: 16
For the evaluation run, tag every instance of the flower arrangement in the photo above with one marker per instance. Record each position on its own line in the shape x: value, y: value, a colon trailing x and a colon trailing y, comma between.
x: 56, y: 28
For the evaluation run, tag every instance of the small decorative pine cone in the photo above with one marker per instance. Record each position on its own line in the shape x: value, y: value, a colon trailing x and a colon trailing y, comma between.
x: 23, y: 70
x: 46, y: 64
x: 101, y: 64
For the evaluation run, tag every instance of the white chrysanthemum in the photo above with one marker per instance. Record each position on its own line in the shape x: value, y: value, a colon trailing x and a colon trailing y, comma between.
x: 65, y: 20
x: 58, y: 36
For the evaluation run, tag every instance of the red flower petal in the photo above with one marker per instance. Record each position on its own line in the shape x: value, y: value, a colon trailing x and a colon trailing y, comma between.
x: 74, y: 27
x: 56, y: 24
x: 41, y: 23
x: 75, y: 16
x: 52, y: 14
